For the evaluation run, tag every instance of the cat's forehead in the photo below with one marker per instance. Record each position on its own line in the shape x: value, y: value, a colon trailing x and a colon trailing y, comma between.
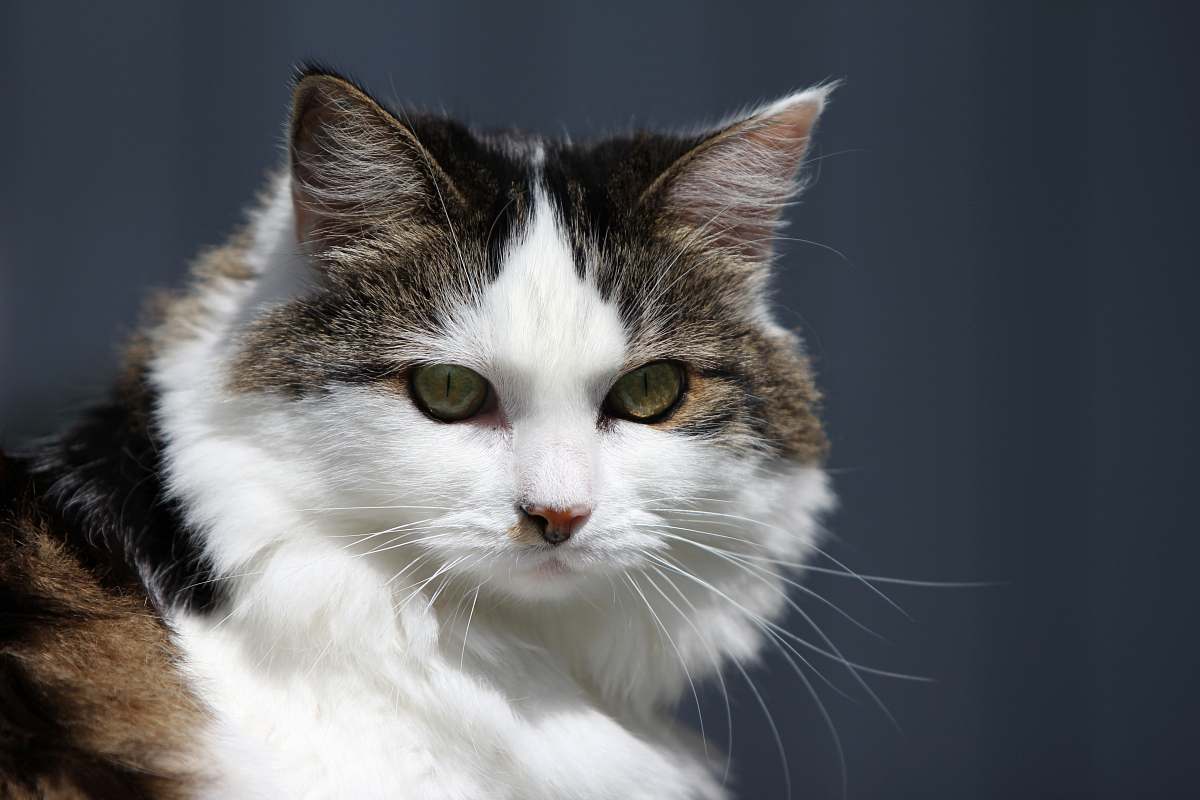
x: 542, y: 322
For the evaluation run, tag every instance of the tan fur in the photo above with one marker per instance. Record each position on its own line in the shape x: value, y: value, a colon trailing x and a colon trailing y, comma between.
x: 101, y: 666
x: 178, y: 316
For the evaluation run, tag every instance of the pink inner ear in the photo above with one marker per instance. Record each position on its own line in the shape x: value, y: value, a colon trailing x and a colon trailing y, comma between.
x: 734, y: 186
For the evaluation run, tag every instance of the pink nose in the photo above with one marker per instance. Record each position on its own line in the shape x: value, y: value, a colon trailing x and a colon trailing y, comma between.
x: 557, y: 524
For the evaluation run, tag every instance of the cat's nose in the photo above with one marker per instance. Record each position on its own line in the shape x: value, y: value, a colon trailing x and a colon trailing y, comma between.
x: 557, y: 524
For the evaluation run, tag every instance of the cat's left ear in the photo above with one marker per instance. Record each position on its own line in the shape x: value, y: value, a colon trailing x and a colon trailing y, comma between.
x: 730, y: 188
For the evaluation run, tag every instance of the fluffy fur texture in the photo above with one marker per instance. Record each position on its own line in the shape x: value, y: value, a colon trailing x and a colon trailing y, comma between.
x: 350, y: 606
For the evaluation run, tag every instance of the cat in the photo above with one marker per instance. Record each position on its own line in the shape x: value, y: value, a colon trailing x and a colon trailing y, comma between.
x: 447, y: 477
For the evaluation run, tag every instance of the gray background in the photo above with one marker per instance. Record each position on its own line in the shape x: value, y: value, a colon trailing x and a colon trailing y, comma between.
x: 1007, y: 343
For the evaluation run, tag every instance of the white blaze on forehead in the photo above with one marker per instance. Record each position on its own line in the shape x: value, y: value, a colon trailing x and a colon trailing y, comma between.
x: 553, y: 344
x: 550, y: 336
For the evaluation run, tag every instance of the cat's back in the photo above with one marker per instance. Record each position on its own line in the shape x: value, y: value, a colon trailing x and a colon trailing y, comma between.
x: 92, y: 703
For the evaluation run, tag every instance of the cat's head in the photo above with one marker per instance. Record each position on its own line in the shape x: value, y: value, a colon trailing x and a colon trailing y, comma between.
x: 533, y: 364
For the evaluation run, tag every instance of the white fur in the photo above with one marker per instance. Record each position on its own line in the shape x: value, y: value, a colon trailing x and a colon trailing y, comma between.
x: 512, y: 672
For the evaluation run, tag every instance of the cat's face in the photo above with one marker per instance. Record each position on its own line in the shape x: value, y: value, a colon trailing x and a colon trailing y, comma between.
x: 531, y: 364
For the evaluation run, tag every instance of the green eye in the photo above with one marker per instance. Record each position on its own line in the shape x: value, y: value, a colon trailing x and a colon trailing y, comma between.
x: 646, y: 393
x: 449, y: 392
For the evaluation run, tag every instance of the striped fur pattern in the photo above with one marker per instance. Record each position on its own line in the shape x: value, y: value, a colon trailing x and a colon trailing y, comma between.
x: 262, y: 570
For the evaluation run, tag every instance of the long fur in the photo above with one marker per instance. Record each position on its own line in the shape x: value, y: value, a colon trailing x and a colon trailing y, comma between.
x: 372, y: 622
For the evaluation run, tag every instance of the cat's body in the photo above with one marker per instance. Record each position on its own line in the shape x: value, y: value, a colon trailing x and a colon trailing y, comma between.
x: 313, y: 583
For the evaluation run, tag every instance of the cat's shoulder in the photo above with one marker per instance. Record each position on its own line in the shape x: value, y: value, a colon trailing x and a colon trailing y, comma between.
x: 92, y: 701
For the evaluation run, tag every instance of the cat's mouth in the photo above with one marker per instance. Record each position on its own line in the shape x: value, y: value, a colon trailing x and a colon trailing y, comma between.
x: 553, y: 567
x: 543, y: 575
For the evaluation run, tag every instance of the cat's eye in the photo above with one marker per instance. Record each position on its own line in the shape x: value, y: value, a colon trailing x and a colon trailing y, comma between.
x: 647, y: 393
x: 449, y: 392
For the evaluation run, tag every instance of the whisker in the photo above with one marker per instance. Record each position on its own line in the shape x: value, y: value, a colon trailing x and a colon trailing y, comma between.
x: 874, y: 589
x: 440, y: 571
x: 414, y: 562
x: 837, y: 740
x: 847, y: 573
x: 359, y: 538
x: 393, y: 544
x: 678, y: 653
x: 783, y: 760
x: 878, y: 578
x: 825, y: 638
x: 467, y: 631
x: 784, y: 647
x: 784, y: 631
x: 716, y: 669
x: 801, y: 587
x: 739, y: 539
x: 378, y: 508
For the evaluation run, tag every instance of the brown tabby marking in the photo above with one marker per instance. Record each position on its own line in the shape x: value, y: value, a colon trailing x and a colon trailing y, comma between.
x: 408, y: 215
x: 92, y: 701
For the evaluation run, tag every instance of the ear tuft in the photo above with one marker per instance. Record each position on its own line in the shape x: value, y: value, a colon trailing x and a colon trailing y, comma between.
x: 352, y: 161
x: 731, y: 188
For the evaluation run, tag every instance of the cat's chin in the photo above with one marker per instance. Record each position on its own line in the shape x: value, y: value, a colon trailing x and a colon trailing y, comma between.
x: 547, y: 576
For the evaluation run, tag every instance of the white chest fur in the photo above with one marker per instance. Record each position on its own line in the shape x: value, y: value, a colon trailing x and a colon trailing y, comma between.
x: 324, y: 723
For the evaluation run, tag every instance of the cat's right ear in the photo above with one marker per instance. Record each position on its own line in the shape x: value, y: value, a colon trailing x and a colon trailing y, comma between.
x: 353, y: 162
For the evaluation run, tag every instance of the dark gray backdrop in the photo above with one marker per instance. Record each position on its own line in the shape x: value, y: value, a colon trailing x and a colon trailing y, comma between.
x: 1007, y: 343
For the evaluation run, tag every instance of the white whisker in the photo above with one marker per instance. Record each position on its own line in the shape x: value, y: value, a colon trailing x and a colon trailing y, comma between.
x: 678, y: 653
x: 716, y: 668
x: 467, y: 631
x: 837, y: 740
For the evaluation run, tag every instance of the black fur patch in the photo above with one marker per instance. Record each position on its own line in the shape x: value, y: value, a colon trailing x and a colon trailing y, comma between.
x: 101, y: 487
x: 92, y: 703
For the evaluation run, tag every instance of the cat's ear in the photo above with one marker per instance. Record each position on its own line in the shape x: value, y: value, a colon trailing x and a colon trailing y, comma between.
x: 353, y: 162
x: 729, y: 190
